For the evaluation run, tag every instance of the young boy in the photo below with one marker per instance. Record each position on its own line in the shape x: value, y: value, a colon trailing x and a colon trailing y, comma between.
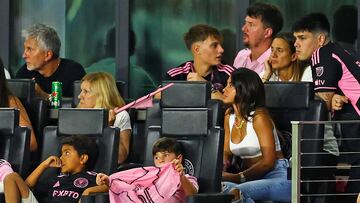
x: 78, y: 154
x: 166, y: 152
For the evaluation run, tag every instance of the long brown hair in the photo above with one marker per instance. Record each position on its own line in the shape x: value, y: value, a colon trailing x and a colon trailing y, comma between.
x: 298, y: 67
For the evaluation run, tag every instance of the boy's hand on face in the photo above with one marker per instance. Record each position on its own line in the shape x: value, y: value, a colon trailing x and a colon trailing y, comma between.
x: 102, y: 179
x: 53, y: 161
x: 178, y: 167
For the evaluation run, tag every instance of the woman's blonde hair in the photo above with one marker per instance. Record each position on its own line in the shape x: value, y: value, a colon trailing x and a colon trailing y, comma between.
x: 103, y: 85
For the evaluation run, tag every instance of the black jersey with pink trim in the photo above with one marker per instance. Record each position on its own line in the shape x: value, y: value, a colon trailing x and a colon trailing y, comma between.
x: 218, y: 77
x: 67, y: 188
x: 336, y: 70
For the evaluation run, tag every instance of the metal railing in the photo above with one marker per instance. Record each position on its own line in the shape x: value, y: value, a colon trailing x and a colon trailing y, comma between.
x: 296, y: 168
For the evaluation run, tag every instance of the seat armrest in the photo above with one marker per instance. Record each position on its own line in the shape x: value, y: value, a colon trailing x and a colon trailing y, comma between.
x: 127, y: 166
x: 2, y: 198
x: 96, y: 198
x: 209, y: 198
x: 197, y: 198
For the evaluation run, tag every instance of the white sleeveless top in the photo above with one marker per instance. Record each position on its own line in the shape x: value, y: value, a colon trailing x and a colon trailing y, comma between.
x: 249, y: 147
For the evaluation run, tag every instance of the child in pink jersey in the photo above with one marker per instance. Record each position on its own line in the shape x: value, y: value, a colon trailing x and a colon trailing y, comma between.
x: 166, y: 182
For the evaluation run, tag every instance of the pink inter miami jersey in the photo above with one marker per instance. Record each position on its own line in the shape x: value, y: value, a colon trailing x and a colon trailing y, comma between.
x: 146, y: 184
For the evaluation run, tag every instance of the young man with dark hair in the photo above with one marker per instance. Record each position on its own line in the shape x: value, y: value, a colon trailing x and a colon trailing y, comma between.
x: 78, y: 155
x: 336, y: 75
x: 204, y: 42
x: 262, y: 22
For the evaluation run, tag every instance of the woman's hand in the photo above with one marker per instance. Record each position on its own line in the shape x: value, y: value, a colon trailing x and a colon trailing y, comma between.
x: 268, y: 71
x: 232, y: 177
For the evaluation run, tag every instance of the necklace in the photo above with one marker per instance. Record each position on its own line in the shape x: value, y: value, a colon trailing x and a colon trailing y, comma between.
x: 236, y: 123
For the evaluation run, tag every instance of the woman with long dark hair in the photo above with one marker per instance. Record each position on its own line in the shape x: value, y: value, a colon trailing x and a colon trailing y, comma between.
x: 7, y: 100
x: 251, y: 135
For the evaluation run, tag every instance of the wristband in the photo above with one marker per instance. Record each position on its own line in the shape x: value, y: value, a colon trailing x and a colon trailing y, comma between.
x: 242, y: 177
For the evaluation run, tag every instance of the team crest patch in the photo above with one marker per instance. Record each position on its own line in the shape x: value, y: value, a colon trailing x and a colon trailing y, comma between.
x: 81, y: 182
x: 189, y: 167
x: 319, y: 71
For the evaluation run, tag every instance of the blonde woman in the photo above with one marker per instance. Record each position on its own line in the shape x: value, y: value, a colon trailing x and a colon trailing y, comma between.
x: 98, y: 90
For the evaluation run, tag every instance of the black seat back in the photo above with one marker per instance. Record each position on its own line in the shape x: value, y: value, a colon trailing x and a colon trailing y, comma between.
x: 36, y: 107
x: 14, y: 141
x: 24, y: 89
x: 91, y: 122
x: 295, y: 101
x: 190, y: 122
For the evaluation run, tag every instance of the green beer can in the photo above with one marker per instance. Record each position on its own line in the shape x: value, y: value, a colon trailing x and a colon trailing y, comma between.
x: 56, y: 94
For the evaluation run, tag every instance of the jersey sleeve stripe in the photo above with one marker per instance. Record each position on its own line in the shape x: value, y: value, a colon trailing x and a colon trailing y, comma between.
x: 325, y: 88
x: 178, y: 70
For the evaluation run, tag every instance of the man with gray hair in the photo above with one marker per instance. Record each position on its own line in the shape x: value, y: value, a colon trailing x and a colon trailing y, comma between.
x: 43, y: 63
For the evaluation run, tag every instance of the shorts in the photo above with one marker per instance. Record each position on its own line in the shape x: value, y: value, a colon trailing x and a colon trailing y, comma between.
x: 30, y: 199
x: 1, y: 187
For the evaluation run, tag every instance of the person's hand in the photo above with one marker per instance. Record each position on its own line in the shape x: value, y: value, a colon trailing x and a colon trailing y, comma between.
x: 40, y: 92
x: 194, y: 77
x: 268, y: 71
x: 102, y: 179
x: 178, y: 166
x: 112, y: 117
x: 338, y: 101
x: 52, y: 161
x: 232, y: 177
x: 86, y: 192
x: 225, y: 174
